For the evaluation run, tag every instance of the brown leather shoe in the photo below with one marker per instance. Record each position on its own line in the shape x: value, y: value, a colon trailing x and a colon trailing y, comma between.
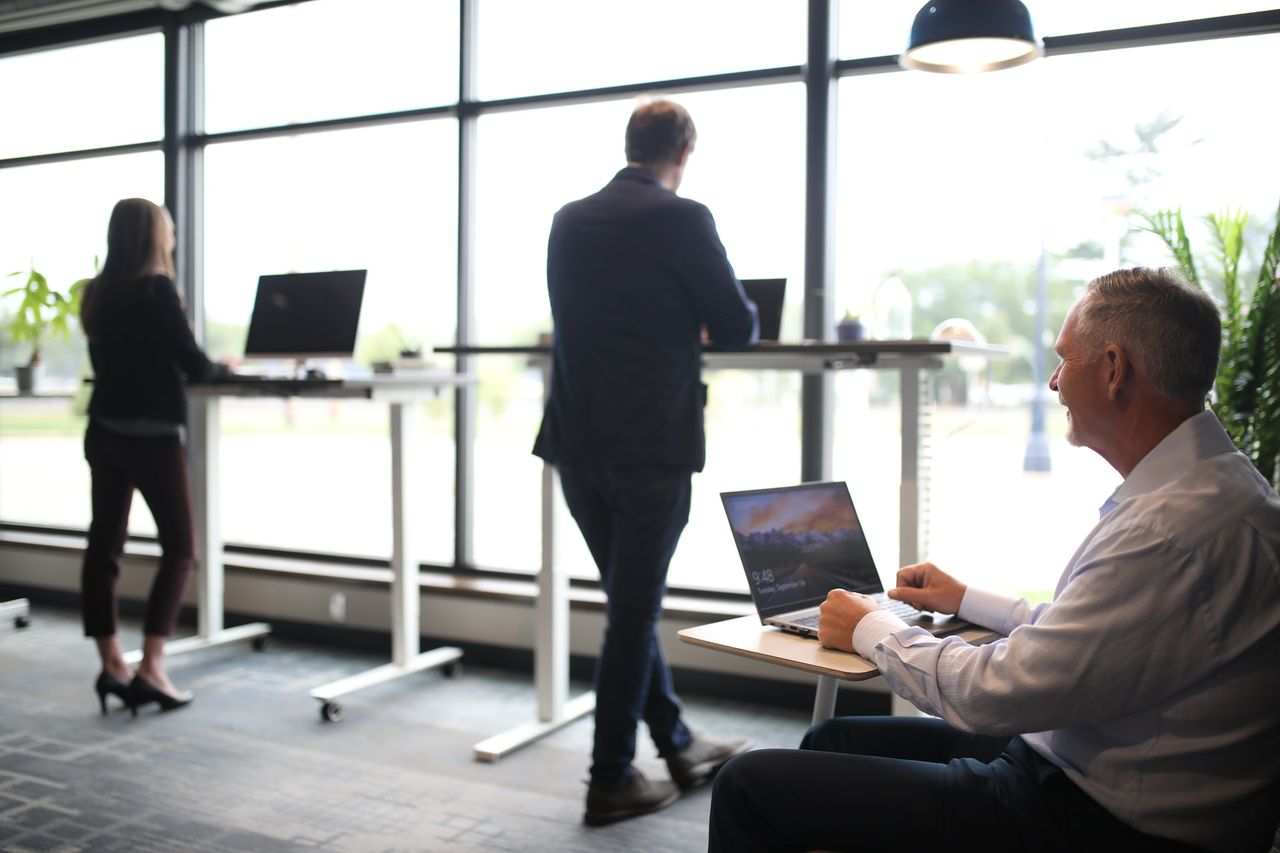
x: 700, y: 760
x: 638, y: 796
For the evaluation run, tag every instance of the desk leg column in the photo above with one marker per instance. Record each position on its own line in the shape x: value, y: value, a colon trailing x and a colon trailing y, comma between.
x: 913, y: 497
x: 404, y: 557
x: 915, y: 485
x: 551, y: 616
x: 550, y: 641
x: 205, y: 461
x: 824, y: 702
x: 405, y: 591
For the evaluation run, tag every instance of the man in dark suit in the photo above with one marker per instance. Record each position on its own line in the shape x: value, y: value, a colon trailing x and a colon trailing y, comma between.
x: 636, y: 276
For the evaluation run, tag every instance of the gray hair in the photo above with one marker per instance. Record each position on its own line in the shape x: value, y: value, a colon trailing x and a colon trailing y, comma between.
x: 1170, y: 329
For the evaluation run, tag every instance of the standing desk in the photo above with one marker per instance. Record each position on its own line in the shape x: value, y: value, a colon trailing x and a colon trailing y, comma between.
x: 399, y: 392
x: 911, y: 358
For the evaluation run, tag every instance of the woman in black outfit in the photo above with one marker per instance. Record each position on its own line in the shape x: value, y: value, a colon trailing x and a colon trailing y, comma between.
x: 142, y: 350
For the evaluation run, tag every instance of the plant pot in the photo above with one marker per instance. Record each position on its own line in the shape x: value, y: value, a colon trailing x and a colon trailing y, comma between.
x: 850, y: 329
x: 27, y: 376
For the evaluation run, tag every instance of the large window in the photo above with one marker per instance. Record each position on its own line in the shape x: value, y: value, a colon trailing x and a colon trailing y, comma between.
x: 760, y: 221
x: 328, y: 59
x: 83, y: 97
x: 992, y: 173
x: 314, y: 476
x: 567, y: 45
x: 988, y: 199
x: 54, y: 220
x: 60, y: 228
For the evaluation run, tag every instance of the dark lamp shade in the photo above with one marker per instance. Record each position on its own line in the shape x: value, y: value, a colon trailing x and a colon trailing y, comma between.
x: 956, y: 36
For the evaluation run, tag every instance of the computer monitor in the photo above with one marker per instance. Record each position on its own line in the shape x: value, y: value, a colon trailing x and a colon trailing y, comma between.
x: 306, y: 315
x: 767, y: 294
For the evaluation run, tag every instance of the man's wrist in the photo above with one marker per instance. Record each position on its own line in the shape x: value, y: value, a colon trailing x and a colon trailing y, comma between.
x: 983, y: 608
x: 873, y: 628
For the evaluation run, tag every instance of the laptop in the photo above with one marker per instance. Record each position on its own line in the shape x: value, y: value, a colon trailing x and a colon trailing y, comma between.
x: 767, y: 294
x: 797, y: 543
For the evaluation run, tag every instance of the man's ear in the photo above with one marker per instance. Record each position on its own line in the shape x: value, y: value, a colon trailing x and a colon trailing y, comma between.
x: 683, y: 156
x: 1119, y: 369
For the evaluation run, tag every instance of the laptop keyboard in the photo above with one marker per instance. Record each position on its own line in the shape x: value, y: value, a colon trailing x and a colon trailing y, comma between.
x: 900, y: 609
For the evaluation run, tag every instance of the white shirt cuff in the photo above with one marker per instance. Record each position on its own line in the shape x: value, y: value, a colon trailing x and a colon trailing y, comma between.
x: 988, y: 609
x: 872, y: 629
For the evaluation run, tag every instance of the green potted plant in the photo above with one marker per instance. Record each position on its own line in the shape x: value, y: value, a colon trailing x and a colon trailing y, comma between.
x: 42, y: 312
x: 1246, y: 395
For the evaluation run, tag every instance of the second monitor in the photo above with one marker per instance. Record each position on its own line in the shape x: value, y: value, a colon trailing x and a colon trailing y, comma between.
x: 767, y: 294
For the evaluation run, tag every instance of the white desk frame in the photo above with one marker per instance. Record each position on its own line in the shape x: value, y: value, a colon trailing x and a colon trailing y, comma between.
x: 399, y: 392
x: 17, y: 609
x: 911, y: 358
x: 551, y: 632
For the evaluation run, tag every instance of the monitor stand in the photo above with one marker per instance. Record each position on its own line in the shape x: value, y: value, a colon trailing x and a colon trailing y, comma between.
x: 301, y: 370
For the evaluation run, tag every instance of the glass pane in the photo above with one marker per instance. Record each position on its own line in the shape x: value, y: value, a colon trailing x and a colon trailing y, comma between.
x: 882, y: 29
x: 382, y: 199
x: 328, y: 59
x: 931, y: 231
x: 58, y: 223
x: 1084, y: 16
x: 761, y: 224
x: 532, y: 48
x: 88, y: 84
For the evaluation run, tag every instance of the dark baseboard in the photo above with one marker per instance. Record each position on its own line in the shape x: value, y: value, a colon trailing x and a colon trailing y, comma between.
x: 758, y: 691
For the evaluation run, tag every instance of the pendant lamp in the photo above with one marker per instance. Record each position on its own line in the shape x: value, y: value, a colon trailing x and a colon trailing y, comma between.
x: 957, y: 36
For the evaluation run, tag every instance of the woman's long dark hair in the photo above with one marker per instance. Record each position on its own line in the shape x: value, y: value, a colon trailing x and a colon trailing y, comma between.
x: 135, y: 238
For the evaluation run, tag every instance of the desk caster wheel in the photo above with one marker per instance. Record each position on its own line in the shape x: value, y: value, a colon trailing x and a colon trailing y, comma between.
x: 331, y: 712
x: 21, y: 621
x: 452, y: 670
x: 258, y: 643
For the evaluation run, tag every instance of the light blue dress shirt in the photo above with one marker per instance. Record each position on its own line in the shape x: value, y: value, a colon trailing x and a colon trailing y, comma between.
x: 1153, y: 678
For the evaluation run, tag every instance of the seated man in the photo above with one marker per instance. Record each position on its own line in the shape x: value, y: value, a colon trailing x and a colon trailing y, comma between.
x: 1137, y: 711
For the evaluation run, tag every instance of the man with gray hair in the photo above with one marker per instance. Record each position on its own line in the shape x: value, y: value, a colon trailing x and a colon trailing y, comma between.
x: 1137, y: 710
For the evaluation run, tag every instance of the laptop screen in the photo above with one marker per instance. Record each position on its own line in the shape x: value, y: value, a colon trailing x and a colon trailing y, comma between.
x: 798, y: 543
x: 767, y: 294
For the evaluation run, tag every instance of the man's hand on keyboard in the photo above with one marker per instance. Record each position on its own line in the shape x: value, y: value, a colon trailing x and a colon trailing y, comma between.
x: 839, y: 615
x: 926, y: 587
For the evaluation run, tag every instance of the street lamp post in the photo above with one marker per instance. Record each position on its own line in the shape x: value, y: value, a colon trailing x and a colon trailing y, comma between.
x: 1037, y: 455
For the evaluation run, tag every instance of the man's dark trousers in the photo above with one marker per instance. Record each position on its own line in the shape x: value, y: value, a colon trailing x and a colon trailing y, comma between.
x: 879, y: 784
x: 631, y: 518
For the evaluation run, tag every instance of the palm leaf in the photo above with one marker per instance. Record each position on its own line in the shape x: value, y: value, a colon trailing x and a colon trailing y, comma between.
x: 1168, y: 226
x: 1227, y: 232
x: 1247, y: 388
x: 1262, y: 350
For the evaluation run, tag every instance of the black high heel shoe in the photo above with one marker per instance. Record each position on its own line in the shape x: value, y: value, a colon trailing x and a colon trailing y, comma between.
x: 108, y: 685
x: 143, y: 692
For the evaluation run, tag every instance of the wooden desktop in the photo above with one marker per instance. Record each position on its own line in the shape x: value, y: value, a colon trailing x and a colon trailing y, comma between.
x: 746, y: 637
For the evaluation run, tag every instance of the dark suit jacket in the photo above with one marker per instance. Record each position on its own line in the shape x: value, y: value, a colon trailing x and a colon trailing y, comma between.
x: 142, y: 352
x: 634, y: 272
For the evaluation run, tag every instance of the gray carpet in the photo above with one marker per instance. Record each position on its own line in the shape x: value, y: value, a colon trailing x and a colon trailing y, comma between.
x: 249, y: 766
